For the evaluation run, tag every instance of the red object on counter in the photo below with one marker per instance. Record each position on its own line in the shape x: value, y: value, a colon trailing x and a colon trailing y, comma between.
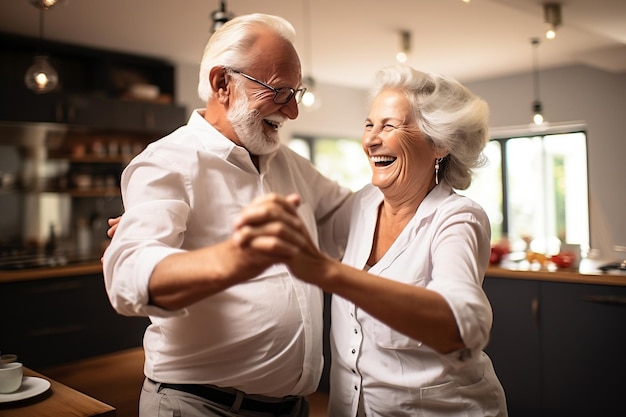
x: 497, y: 253
x: 563, y: 259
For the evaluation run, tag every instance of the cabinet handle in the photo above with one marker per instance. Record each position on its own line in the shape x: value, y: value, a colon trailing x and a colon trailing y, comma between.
x: 534, y: 308
x: 605, y: 299
x: 57, y: 330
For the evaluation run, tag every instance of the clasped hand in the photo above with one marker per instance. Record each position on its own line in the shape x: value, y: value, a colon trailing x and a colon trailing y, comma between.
x: 271, y: 225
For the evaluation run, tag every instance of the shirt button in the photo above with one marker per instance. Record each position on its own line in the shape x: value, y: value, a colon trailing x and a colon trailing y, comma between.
x: 356, y: 388
x: 353, y: 371
x: 353, y: 351
x: 356, y: 331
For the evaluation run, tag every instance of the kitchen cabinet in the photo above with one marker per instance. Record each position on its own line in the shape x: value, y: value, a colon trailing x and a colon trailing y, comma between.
x: 147, y: 117
x: 66, y: 179
x: 514, y: 345
x: 104, y: 114
x: 94, y: 88
x: 72, y: 144
x: 52, y: 321
x: 557, y: 347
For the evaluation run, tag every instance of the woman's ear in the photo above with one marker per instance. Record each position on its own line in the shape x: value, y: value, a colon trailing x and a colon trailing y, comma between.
x: 441, y: 153
x: 219, y: 83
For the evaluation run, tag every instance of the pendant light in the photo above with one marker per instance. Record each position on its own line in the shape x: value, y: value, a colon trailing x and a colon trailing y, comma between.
x: 41, y: 77
x: 220, y: 16
x: 308, y: 99
x: 405, y: 46
x: 552, y: 18
x: 537, y: 107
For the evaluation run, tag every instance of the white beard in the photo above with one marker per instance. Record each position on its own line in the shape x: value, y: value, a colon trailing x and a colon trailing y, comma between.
x: 249, y: 127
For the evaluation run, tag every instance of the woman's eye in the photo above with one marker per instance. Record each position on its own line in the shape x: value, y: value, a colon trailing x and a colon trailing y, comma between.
x: 368, y: 126
x: 388, y: 127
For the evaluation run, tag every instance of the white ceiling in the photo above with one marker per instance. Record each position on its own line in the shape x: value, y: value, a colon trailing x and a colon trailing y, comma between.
x: 349, y: 40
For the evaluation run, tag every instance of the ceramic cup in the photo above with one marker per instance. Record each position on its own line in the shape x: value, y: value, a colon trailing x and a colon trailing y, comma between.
x: 10, y: 377
x: 8, y: 358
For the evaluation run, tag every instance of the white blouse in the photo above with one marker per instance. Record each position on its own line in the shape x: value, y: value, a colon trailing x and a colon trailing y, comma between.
x: 444, y: 248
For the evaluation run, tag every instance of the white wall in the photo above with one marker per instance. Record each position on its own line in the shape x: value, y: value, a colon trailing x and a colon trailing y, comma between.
x: 571, y: 94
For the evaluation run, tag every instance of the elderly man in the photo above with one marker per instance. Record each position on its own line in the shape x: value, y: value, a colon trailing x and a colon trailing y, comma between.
x: 232, y: 331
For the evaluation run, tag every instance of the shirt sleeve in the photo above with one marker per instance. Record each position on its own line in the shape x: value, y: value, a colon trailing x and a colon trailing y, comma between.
x: 152, y: 228
x: 460, y: 254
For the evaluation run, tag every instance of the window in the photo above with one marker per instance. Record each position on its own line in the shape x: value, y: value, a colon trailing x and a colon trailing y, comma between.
x: 533, y: 188
x: 339, y: 159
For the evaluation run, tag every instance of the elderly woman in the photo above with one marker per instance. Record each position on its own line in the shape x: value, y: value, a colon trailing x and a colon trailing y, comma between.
x: 409, y: 315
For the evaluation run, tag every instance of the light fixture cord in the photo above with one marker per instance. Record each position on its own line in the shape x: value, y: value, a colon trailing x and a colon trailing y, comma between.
x: 535, y: 43
x: 41, y: 12
x: 307, y: 34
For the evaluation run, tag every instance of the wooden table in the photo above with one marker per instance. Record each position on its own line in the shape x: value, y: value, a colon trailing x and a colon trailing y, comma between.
x: 58, y: 400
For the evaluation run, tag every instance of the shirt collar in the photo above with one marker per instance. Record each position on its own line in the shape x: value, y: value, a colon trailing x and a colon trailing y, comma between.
x: 221, y: 145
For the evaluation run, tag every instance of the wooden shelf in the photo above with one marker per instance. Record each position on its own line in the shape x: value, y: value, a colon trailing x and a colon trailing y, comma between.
x: 94, y: 192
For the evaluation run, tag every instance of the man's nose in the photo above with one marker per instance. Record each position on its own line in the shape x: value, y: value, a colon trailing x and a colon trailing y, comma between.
x: 290, y: 109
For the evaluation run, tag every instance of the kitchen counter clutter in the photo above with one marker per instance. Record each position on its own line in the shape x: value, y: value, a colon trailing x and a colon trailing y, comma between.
x: 56, y: 400
x: 580, y: 276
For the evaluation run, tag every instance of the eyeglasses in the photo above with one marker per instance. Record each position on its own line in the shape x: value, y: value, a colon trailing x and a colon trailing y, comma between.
x: 281, y: 95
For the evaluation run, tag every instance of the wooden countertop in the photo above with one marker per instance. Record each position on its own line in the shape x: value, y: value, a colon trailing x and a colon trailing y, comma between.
x: 559, y: 275
x: 87, y: 268
x: 516, y: 272
x: 58, y: 400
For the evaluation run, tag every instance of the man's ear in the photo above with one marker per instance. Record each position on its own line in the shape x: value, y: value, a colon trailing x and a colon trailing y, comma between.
x: 219, y: 83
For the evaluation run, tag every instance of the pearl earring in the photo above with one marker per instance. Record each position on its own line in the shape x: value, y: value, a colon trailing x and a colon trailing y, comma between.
x: 437, y: 161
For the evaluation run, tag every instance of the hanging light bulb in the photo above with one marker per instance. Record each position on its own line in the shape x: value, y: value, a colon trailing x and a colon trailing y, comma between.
x: 44, y: 4
x: 552, y: 18
x: 405, y: 46
x: 537, y: 115
x: 308, y: 99
x: 537, y: 107
x: 41, y: 77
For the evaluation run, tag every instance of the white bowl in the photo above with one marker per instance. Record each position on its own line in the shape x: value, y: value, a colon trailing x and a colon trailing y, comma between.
x: 144, y: 91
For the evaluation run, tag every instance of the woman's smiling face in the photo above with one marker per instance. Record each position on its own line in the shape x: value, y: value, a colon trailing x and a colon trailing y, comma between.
x: 400, y: 157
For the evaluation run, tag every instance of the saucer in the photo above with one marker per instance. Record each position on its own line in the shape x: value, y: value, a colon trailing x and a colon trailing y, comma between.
x: 31, y: 386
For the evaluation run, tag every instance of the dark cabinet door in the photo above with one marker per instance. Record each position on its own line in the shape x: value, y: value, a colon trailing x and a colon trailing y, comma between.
x: 22, y: 105
x: 164, y: 118
x: 52, y: 321
x: 583, y: 346
x: 91, y: 112
x: 514, y: 345
x: 147, y: 117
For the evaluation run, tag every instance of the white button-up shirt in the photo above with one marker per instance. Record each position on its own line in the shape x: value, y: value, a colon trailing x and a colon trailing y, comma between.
x: 444, y: 248
x: 183, y: 192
